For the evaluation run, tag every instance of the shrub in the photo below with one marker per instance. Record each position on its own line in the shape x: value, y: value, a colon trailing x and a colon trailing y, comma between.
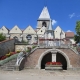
x: 3, y: 57
x: 8, y: 54
x: 28, y: 49
x: 12, y: 53
x: 18, y: 51
x: 33, y: 47
x: 2, y: 37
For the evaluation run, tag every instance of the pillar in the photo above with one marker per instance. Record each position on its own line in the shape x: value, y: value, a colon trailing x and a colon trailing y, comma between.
x: 54, y: 56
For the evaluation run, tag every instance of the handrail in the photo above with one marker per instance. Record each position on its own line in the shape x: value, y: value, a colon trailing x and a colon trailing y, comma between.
x: 19, y: 59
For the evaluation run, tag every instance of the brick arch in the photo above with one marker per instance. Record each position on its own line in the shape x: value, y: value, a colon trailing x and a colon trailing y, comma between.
x: 54, y: 50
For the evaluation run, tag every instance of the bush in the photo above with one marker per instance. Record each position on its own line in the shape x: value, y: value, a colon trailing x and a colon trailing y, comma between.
x: 34, y: 47
x: 18, y: 51
x: 28, y: 49
x: 2, y: 37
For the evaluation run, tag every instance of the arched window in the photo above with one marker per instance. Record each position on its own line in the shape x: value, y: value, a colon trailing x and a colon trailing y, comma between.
x: 44, y: 24
x: 15, y: 37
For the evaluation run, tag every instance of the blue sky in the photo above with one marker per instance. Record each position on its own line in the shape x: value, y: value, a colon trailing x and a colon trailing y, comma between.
x: 64, y: 13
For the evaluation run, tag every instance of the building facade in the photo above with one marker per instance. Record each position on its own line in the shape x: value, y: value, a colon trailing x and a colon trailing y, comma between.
x: 31, y: 35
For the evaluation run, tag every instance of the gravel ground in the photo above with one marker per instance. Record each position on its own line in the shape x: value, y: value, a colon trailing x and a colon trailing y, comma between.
x: 34, y: 74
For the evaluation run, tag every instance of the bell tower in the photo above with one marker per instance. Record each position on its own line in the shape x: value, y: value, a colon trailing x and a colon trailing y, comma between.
x: 44, y: 19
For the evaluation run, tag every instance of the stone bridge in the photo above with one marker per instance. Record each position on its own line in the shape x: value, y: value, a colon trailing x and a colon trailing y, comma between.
x: 68, y: 58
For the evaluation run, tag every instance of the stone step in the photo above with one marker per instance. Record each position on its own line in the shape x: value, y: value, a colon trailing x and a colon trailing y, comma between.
x: 8, y: 69
x: 9, y: 66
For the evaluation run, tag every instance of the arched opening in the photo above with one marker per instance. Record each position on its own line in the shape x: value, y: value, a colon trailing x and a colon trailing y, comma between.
x: 15, y: 37
x: 61, y: 58
x: 44, y: 24
x: 60, y: 55
x: 46, y: 58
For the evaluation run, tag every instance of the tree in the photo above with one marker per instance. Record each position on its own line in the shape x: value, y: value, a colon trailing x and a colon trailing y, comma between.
x: 2, y: 37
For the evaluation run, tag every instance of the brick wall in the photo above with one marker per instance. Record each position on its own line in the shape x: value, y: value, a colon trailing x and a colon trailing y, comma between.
x: 6, y: 46
x: 32, y: 59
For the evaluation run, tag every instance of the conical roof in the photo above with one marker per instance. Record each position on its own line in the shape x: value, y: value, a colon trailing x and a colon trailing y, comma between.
x: 44, y: 14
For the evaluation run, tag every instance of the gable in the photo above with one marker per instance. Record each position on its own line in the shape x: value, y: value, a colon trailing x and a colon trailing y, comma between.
x: 58, y: 30
x: 15, y: 29
x: 4, y: 30
x: 29, y: 30
x: 41, y: 31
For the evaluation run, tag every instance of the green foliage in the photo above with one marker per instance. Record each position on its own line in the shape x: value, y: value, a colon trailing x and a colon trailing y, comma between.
x: 28, y: 49
x: 23, y: 41
x: 77, y: 36
x: 77, y: 28
x: 2, y: 37
x: 34, y: 47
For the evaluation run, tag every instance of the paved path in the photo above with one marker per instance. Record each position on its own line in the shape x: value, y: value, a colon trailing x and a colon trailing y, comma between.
x: 31, y: 74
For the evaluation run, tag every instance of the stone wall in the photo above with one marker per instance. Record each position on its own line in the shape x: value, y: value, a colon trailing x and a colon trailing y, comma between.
x: 6, y: 46
x: 22, y: 46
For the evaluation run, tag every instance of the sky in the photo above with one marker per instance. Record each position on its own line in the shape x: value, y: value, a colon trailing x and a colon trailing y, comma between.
x: 64, y: 13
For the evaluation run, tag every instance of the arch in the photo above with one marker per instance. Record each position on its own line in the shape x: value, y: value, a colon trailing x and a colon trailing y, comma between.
x: 53, y: 50
x: 15, y: 37
x: 44, y: 24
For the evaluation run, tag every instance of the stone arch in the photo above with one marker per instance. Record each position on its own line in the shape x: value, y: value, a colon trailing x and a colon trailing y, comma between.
x: 15, y: 37
x: 54, y: 50
x: 44, y: 24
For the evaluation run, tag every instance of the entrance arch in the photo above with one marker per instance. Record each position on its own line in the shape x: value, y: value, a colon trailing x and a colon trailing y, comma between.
x: 59, y: 53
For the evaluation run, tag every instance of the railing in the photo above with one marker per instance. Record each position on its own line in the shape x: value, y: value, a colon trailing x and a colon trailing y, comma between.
x: 56, y: 44
x: 20, y: 57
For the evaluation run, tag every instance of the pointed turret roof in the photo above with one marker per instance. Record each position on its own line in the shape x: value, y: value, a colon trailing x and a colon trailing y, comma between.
x: 50, y: 25
x: 44, y: 14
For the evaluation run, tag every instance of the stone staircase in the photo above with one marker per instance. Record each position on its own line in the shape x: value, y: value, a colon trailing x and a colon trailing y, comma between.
x: 9, y: 66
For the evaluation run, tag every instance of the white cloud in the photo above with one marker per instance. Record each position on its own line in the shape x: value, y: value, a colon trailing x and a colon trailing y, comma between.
x: 54, y: 22
x: 69, y: 31
x: 72, y: 15
x: 78, y: 16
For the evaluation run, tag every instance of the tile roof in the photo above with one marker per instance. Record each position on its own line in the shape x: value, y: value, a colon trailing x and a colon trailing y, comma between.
x: 69, y: 34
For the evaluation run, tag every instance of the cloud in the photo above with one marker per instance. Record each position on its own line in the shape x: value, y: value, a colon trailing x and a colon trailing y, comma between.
x: 72, y: 15
x: 78, y: 16
x: 54, y: 22
x: 69, y: 31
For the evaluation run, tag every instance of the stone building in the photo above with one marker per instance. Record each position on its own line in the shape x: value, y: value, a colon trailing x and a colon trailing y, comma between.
x: 31, y: 35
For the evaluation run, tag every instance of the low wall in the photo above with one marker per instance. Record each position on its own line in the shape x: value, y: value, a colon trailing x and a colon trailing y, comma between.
x: 22, y: 47
x: 6, y: 46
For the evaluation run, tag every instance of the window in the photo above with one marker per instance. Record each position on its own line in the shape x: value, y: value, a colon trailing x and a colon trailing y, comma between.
x: 44, y: 24
x: 28, y: 37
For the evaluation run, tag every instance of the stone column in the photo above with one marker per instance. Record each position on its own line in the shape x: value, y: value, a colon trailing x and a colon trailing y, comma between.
x: 54, y: 56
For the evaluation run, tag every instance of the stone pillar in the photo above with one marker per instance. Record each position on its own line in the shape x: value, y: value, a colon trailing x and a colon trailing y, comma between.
x: 54, y: 56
